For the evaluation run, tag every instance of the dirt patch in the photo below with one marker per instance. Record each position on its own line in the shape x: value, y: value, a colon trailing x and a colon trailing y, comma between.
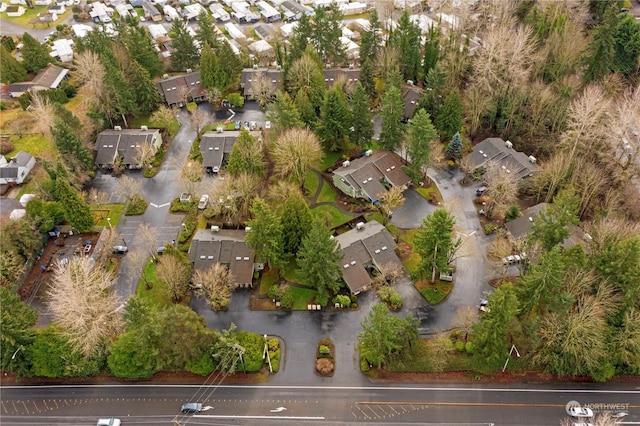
x: 34, y: 288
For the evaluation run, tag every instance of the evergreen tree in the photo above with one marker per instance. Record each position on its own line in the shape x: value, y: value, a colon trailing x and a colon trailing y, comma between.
x: 541, y: 286
x: 431, y: 100
x: 627, y: 45
x: 246, y: 156
x: 121, y: 94
x: 299, y: 40
x: 318, y: 260
x: 229, y: 66
x: 35, y: 56
x: 601, y: 52
x: 361, y: 117
x: 433, y: 243
x: 16, y: 330
x: 454, y: 148
x: 449, y: 119
x: 305, y: 107
x: 146, y: 93
x: 327, y: 32
x: 283, y: 112
x: 185, y: 53
x: 208, y: 67
x: 391, y: 113
x: 366, y: 77
x: 431, y: 50
x: 141, y: 48
x: 335, y: 120
x: 370, y: 39
x: 206, y: 33
x: 420, y: 132
x: 406, y: 37
x: 265, y: 235
x: 77, y: 156
x: 296, y: 221
x: 552, y: 226
x: 76, y: 211
x: 12, y: 70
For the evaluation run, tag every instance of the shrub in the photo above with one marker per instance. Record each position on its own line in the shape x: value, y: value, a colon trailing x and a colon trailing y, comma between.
x: 322, y: 299
x: 391, y: 297
x: 324, y: 351
x: 192, y: 106
x: 190, y: 225
x: 275, y: 361
x: 273, y: 344
x: 325, y: 366
x: 253, y: 345
x: 342, y: 300
x: 3, y: 106
x: 489, y: 228
x: 512, y: 213
x: 469, y: 347
x: 137, y: 206
x: 203, y: 366
x: 177, y: 206
x: 275, y: 293
x: 460, y: 346
x: 364, y: 365
x: 287, y: 299
x: 6, y: 146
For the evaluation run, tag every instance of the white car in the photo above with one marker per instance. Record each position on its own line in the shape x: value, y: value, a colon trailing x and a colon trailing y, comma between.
x: 580, y: 412
x: 204, y: 201
x: 267, y: 125
x: 109, y: 422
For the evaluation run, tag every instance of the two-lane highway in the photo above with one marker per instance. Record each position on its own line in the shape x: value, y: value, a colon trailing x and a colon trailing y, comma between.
x: 426, y: 405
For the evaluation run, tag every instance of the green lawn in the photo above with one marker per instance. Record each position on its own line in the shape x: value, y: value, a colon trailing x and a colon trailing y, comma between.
x: 290, y: 272
x: 158, y: 294
x: 332, y: 214
x: 269, y: 278
x: 32, y: 14
x: 302, y: 297
x: 329, y: 159
x: 103, y: 211
x: 144, y: 120
x: 311, y: 182
x: 426, y: 193
x: 35, y: 144
x: 434, y: 293
x: 327, y: 193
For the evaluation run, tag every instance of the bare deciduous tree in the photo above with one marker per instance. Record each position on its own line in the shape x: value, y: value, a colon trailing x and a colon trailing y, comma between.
x: 190, y: 174
x: 261, y: 90
x: 502, y: 188
x: 148, y: 236
x: 43, y: 112
x: 237, y: 194
x: 81, y: 301
x: 281, y: 190
x: 295, y: 152
x: 175, y: 275
x: 127, y: 187
x: 216, y: 283
x: 466, y: 317
x: 438, y: 351
x: 390, y: 201
x: 163, y: 117
x: 144, y: 155
x: 138, y: 259
x: 199, y: 119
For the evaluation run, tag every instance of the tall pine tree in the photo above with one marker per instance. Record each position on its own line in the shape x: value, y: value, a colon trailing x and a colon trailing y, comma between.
x: 35, y: 56
x: 185, y: 53
x: 391, y: 113
x: 336, y: 119
x: 420, y: 133
x: 362, y: 126
x: 449, y: 119
x: 12, y: 70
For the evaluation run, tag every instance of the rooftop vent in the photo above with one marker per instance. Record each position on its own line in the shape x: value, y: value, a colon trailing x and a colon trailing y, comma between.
x: 327, y: 66
x: 484, y: 155
x: 530, y: 219
x: 360, y: 225
x: 189, y: 70
x: 346, y: 163
x: 368, y: 152
x: 144, y: 128
x: 117, y: 128
x: 255, y: 66
x: 508, y: 144
x: 353, y: 262
x: 165, y: 76
x: 346, y: 265
x: 350, y: 66
x: 247, y: 229
x: 219, y: 129
x: 410, y: 82
x: 532, y: 159
x: 215, y: 228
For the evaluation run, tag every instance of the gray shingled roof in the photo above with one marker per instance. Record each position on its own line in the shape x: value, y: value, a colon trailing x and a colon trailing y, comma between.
x: 226, y: 247
x: 495, y: 150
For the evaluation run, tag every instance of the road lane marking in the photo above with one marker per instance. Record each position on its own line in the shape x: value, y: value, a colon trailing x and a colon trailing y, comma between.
x: 221, y: 416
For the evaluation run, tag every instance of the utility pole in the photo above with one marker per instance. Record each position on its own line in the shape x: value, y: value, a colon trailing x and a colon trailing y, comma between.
x: 513, y: 348
x: 266, y: 354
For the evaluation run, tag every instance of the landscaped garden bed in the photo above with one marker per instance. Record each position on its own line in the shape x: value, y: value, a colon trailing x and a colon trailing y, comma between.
x: 325, y: 358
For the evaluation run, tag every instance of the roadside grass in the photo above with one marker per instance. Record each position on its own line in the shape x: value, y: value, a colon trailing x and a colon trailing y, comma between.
x: 30, y: 17
x: 311, y: 182
x: 301, y: 297
x: 158, y: 294
x: 327, y: 193
x: 329, y: 159
x: 434, y: 293
x: 103, y: 212
x: 331, y: 214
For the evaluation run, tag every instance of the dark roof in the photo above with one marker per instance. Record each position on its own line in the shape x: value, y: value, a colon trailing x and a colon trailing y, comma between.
x: 331, y: 75
x: 150, y: 8
x: 264, y: 31
x: 11, y: 167
x: 349, y: 75
x: 372, y: 244
x: 21, y: 159
x: 226, y: 247
x: 214, y: 145
x: 501, y: 153
x: 20, y: 87
x: 127, y: 141
x: 522, y: 226
x: 50, y: 77
x: 171, y: 88
x: 366, y: 172
x: 411, y: 96
x: 293, y: 6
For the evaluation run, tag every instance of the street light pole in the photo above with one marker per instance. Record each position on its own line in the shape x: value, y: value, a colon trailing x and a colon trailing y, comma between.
x: 266, y: 353
x: 513, y: 348
x: 109, y: 222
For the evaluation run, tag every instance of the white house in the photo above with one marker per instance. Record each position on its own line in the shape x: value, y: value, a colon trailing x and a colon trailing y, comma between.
x: 354, y: 8
x: 170, y: 13
x: 268, y: 12
x: 191, y: 11
x: 42, y: 2
x: 351, y: 48
x: 15, y: 11
x: 80, y: 30
x: 18, y: 2
x: 234, y: 31
x: 157, y: 31
x: 287, y: 29
x: 63, y: 50
x: 17, y: 169
x: 219, y: 13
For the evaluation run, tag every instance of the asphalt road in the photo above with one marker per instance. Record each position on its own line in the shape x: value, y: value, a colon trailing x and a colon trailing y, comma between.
x: 380, y: 404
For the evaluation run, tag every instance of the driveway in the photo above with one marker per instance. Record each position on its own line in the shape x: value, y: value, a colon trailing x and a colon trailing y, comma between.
x: 413, y: 211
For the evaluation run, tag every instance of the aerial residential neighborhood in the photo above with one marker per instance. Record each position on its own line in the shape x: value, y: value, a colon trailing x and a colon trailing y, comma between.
x: 320, y: 211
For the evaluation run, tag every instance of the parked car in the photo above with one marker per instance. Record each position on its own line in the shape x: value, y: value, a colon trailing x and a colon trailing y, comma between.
x: 204, y: 201
x: 267, y: 124
x: 191, y: 407
x: 245, y: 125
x: 109, y: 422
x: 238, y: 125
x: 252, y: 125
x: 580, y: 412
x: 480, y: 191
x: 120, y: 249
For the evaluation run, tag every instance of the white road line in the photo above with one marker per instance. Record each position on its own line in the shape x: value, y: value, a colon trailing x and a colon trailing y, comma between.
x: 212, y: 416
